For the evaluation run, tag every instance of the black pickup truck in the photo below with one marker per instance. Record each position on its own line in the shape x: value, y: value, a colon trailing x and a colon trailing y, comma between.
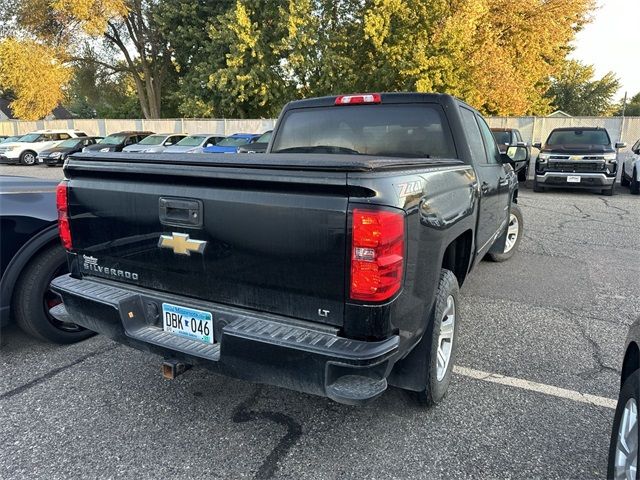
x: 330, y: 264
x: 577, y: 157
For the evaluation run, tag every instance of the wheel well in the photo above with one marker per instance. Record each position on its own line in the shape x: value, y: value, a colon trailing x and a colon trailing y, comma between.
x: 458, y: 255
x: 631, y: 361
x: 42, y: 240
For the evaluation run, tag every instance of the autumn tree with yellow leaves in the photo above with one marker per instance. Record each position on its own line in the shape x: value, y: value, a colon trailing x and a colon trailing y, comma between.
x: 246, y: 58
x: 33, y: 73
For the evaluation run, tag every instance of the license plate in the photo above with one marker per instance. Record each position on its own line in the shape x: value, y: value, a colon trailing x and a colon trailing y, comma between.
x: 573, y: 179
x: 187, y: 322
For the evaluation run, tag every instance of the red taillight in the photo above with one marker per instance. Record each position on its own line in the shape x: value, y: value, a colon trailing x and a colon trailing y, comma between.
x: 358, y: 99
x: 63, y: 215
x: 377, y: 254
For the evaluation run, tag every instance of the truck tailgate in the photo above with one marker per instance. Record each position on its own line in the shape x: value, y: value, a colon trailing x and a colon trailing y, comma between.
x: 275, y: 239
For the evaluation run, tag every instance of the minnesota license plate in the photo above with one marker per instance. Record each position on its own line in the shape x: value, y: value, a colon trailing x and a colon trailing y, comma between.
x: 187, y: 322
x: 573, y: 179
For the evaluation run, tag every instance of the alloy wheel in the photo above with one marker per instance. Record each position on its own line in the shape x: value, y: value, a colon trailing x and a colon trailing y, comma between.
x: 512, y: 233
x: 445, y: 339
x: 626, y: 459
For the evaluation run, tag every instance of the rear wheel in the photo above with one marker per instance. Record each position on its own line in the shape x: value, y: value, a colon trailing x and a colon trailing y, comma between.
x: 522, y: 174
x: 443, y: 330
x: 514, y: 234
x: 624, y: 181
x: 28, y: 158
x: 635, y: 184
x: 625, y: 435
x: 32, y: 299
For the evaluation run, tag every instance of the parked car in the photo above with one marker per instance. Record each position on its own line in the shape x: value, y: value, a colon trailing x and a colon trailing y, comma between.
x: 30, y: 257
x: 505, y: 137
x: 259, y: 146
x: 330, y: 264
x: 630, y: 175
x: 10, y: 139
x: 117, y: 141
x: 194, y: 143
x: 625, y: 434
x: 155, y: 143
x: 577, y: 157
x: 231, y: 143
x: 26, y: 148
x: 57, y: 155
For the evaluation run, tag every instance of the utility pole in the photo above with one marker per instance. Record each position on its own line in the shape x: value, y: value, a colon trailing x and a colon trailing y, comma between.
x: 624, y: 107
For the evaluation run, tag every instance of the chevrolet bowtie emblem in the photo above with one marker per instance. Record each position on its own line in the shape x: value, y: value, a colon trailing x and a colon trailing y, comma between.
x: 181, y: 244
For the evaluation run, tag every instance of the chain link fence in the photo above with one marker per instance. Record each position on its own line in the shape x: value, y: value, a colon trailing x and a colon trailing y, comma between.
x: 533, y: 129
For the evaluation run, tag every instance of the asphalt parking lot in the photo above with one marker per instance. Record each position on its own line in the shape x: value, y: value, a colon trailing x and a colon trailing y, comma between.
x: 552, y: 321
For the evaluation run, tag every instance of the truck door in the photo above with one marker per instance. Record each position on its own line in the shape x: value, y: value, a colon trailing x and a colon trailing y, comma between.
x: 498, y: 169
x: 489, y: 209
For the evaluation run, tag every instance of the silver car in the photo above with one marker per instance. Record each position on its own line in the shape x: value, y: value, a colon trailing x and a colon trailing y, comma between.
x: 194, y: 143
x: 155, y: 143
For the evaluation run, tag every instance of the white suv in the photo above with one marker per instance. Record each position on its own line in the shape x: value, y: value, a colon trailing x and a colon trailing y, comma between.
x: 26, y: 148
x: 631, y: 170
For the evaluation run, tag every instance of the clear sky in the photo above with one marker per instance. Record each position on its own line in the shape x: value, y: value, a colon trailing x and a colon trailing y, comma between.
x: 611, y: 42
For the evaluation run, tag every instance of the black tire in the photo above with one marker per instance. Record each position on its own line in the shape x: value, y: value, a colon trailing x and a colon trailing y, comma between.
x: 522, y: 174
x: 630, y: 390
x: 536, y: 186
x: 32, y: 295
x: 624, y: 181
x: 608, y: 192
x: 635, y: 184
x: 28, y: 158
x: 507, y: 254
x: 435, y: 389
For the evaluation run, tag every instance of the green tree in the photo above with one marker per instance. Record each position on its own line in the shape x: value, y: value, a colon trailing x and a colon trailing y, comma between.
x: 633, y: 107
x: 575, y: 91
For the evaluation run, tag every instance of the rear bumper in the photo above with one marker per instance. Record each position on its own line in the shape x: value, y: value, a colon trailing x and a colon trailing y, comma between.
x: 249, y: 345
x: 587, y: 180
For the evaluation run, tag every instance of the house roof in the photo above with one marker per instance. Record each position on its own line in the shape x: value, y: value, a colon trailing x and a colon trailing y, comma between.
x: 559, y: 113
x: 5, y: 108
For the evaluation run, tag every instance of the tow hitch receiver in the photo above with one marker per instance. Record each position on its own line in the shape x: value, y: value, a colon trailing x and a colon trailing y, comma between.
x: 172, y: 368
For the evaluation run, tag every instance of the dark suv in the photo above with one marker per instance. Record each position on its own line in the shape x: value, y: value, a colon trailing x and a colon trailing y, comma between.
x: 577, y: 157
x: 117, y: 141
x: 506, y: 137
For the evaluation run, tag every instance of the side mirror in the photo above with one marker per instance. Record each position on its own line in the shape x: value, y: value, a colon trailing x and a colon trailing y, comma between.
x: 537, y: 145
x: 621, y: 145
x: 209, y: 145
x: 516, y: 153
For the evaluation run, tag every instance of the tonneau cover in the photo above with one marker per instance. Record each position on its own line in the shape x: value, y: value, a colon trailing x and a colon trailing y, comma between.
x: 288, y: 161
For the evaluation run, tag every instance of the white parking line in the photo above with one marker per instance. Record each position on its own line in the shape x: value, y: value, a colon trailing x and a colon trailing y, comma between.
x: 536, y: 387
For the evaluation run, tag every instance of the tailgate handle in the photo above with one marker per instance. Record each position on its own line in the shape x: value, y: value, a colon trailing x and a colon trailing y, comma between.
x: 181, y: 212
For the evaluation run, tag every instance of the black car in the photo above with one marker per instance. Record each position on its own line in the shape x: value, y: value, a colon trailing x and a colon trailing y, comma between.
x: 259, y: 146
x: 625, y: 435
x: 30, y: 256
x: 117, y: 141
x: 56, y: 156
x: 506, y: 137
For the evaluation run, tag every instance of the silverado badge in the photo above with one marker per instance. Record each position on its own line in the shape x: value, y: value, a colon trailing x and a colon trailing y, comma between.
x: 181, y: 244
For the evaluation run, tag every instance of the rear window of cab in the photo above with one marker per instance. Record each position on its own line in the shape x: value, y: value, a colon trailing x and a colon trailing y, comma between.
x: 392, y: 130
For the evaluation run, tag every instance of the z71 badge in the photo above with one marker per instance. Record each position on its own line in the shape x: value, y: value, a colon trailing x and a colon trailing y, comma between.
x: 409, y: 188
